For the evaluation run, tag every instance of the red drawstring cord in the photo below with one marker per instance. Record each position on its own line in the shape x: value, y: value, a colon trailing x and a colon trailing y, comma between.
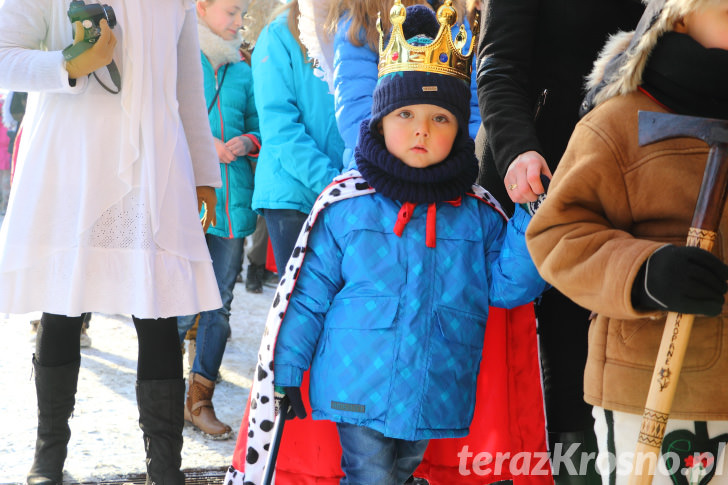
x: 405, y: 214
x: 403, y: 217
x: 430, y: 228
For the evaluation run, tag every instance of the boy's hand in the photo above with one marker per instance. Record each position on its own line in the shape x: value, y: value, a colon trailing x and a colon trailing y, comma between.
x: 523, y: 178
x: 681, y: 279
x: 297, y: 409
x: 240, y: 145
x: 99, y: 55
x: 206, y: 196
x: 532, y: 207
x: 223, y: 152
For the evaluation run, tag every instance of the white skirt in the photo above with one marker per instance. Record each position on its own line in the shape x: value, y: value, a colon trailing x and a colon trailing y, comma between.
x: 116, y: 268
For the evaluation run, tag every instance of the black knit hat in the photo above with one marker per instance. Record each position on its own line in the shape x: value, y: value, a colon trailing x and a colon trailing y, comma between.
x: 405, y: 88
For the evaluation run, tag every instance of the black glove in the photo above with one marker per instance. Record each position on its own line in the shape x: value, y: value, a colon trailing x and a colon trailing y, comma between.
x: 297, y: 408
x: 683, y: 280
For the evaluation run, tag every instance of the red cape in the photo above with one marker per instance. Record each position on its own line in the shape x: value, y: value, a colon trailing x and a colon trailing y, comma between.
x: 507, y: 439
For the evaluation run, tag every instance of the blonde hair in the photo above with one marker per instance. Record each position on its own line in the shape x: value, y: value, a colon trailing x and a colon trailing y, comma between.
x: 363, y: 16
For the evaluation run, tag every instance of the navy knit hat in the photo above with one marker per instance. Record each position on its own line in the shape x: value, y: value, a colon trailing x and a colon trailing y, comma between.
x: 400, y: 89
x: 405, y: 88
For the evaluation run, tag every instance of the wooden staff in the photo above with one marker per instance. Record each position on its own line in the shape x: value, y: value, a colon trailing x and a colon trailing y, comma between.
x: 654, y: 127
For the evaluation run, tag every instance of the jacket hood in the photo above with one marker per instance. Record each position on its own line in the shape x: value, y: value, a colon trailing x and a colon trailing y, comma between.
x: 621, y: 63
x: 218, y: 50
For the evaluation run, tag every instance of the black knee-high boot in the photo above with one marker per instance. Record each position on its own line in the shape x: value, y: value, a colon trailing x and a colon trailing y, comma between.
x: 56, y: 391
x: 161, y: 419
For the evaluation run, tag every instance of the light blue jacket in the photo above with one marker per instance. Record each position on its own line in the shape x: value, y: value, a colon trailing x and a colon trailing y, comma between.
x: 355, y: 77
x: 301, y: 147
x: 232, y: 115
x: 393, y: 330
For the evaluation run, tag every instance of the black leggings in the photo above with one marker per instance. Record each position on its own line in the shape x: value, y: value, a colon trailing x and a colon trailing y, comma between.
x: 160, y: 354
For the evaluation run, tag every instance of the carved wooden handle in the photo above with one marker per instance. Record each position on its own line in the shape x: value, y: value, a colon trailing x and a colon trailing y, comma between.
x: 675, y: 337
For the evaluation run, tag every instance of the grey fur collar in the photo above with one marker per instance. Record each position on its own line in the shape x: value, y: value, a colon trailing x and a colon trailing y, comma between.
x: 620, y: 65
x: 218, y: 50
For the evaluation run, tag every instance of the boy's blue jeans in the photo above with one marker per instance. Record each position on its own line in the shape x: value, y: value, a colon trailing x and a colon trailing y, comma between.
x: 370, y: 458
x: 214, y: 327
x: 284, y: 225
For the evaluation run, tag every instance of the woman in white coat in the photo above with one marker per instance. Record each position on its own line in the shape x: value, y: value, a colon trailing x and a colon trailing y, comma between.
x: 103, y: 214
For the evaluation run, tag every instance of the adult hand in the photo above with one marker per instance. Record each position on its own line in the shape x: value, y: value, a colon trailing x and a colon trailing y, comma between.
x: 223, y: 152
x: 206, y: 196
x: 523, y: 178
x: 298, y: 409
x: 681, y: 279
x: 99, y: 55
x: 240, y: 145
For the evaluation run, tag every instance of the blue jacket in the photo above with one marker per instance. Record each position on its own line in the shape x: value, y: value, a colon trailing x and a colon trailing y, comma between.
x: 355, y: 77
x: 233, y: 114
x: 393, y: 330
x: 301, y: 147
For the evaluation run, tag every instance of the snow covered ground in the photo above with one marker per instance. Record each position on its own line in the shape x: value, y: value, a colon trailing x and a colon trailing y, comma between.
x: 106, y: 441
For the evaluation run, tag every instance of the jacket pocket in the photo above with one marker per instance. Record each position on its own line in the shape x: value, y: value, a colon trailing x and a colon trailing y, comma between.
x: 635, y: 343
x: 362, y: 313
x: 352, y: 368
x: 456, y: 348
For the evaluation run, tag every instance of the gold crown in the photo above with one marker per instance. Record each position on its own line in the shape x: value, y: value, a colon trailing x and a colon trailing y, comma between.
x: 442, y: 56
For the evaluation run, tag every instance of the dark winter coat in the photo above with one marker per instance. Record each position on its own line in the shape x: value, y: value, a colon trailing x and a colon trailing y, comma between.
x: 526, y: 47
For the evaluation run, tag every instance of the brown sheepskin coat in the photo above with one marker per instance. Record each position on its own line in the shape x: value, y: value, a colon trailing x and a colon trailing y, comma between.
x: 610, y: 205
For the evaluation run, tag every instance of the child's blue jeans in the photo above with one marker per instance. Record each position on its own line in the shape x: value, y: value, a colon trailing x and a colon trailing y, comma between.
x: 214, y: 326
x: 370, y: 458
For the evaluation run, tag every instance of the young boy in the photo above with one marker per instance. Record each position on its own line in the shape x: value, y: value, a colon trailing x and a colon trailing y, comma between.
x: 612, y: 234
x: 390, y: 304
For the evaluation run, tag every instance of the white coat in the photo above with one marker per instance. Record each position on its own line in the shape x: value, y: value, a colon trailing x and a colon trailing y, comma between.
x: 103, y: 214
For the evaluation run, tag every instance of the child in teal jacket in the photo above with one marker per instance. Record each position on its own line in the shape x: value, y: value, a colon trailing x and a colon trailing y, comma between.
x: 228, y: 84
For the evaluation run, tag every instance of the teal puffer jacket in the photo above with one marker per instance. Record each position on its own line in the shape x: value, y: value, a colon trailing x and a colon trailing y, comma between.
x: 301, y: 146
x: 233, y: 114
x: 393, y: 330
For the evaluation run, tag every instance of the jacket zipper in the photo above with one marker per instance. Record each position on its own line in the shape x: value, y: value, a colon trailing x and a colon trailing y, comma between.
x: 227, y: 174
x: 540, y: 103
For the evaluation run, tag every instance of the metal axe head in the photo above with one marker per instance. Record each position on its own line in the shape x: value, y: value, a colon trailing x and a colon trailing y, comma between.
x: 654, y: 127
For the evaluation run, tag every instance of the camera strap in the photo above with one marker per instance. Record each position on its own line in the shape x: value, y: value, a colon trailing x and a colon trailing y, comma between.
x: 115, y: 78
x: 75, y: 50
x: 219, y: 87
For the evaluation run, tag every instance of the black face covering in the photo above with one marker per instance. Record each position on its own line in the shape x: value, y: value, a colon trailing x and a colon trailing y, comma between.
x: 391, y: 177
x: 688, y: 78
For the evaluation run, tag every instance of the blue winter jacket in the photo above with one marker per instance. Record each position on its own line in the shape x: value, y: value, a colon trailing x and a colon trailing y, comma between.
x: 393, y: 330
x: 301, y: 147
x: 233, y: 114
x: 355, y: 77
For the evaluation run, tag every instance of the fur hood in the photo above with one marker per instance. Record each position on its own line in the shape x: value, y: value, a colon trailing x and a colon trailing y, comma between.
x: 621, y: 63
x: 218, y: 50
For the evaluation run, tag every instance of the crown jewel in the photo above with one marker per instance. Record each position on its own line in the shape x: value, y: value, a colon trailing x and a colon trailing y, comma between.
x: 442, y: 56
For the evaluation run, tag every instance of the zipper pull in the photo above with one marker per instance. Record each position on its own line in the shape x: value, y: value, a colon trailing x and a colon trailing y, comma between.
x: 540, y: 103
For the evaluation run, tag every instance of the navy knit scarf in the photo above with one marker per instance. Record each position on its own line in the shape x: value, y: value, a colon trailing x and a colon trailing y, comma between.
x: 389, y: 176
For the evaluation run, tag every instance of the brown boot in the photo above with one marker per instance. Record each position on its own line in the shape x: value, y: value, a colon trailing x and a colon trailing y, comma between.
x: 199, y: 410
